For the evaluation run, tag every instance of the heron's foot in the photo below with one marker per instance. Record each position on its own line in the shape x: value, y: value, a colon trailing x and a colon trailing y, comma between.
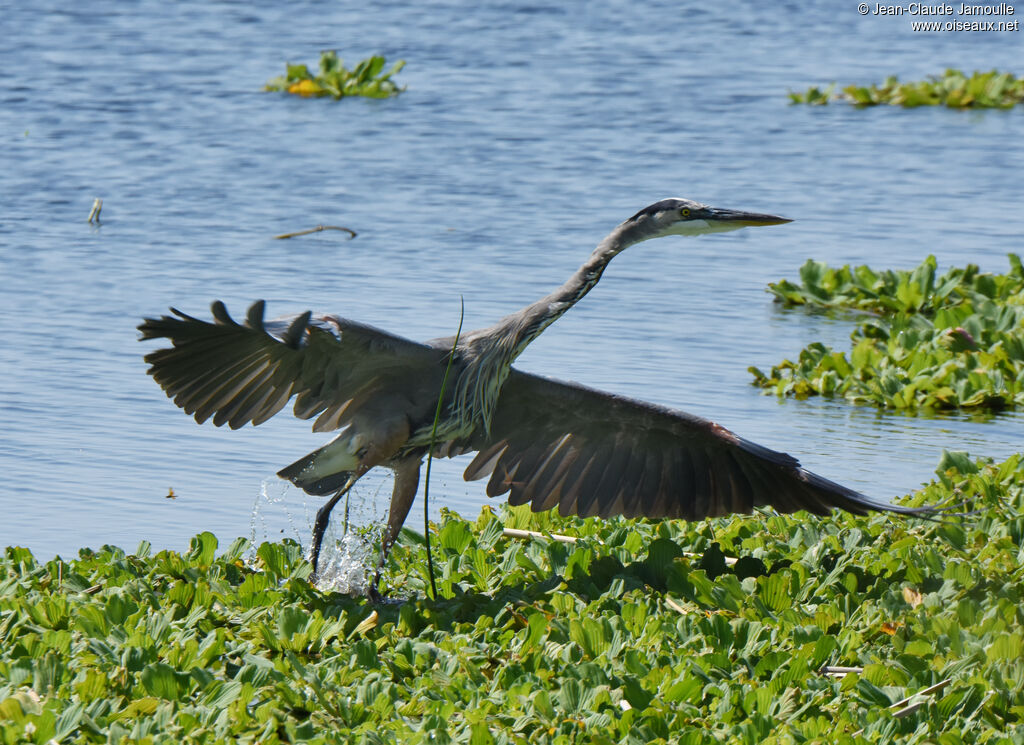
x: 314, y: 559
x: 373, y: 592
x: 375, y: 596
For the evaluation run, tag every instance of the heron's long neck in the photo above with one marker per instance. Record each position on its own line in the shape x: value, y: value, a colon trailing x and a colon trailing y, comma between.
x: 519, y: 329
x: 496, y: 348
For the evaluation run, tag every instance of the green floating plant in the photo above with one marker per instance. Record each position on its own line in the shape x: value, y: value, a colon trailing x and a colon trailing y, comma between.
x: 918, y: 290
x: 637, y: 633
x: 953, y: 89
x: 334, y: 79
x: 814, y: 95
x: 931, y: 342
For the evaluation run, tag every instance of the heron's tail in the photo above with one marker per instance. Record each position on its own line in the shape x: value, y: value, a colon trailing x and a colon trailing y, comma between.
x: 308, y: 474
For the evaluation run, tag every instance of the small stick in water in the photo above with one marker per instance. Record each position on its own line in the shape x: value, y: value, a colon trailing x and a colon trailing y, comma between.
x: 317, y: 229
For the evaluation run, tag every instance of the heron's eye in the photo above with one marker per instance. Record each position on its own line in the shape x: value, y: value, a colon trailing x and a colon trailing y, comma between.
x: 685, y: 213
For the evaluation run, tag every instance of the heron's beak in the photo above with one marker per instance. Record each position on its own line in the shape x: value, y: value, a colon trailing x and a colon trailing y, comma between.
x: 740, y: 219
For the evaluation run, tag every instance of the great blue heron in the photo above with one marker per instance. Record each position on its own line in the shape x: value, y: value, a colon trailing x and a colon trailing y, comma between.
x: 545, y: 442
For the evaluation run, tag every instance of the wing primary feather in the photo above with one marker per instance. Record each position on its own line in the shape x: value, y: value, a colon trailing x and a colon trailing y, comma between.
x: 611, y: 502
x: 296, y: 332
x: 558, y: 476
x: 219, y: 393
x: 221, y: 315
x: 684, y: 479
x: 332, y: 417
x: 232, y: 413
x: 193, y: 367
x: 507, y: 484
x: 502, y: 476
x: 485, y: 461
x: 626, y: 486
x: 196, y: 400
x: 540, y: 472
x: 703, y: 504
x: 594, y: 487
x: 766, y: 487
x: 576, y: 499
x: 741, y: 489
x: 721, y: 484
x: 254, y: 317
x: 256, y: 399
x: 309, y: 404
x: 273, y: 406
x: 647, y: 490
x: 567, y: 504
x: 210, y: 392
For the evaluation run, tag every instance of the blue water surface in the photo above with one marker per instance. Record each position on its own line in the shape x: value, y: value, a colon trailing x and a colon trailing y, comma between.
x: 526, y: 133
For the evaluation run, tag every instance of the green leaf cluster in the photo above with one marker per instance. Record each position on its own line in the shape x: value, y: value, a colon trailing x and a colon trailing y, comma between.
x: 953, y: 89
x: 917, y: 290
x: 813, y: 96
x: 639, y: 632
x: 334, y: 79
x: 932, y: 341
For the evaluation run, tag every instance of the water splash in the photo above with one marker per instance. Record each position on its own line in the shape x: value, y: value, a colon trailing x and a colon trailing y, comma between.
x: 348, y: 556
x: 271, y: 504
x: 347, y: 563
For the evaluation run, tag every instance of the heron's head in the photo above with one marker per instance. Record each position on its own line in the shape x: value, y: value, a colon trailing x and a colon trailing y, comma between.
x: 685, y: 217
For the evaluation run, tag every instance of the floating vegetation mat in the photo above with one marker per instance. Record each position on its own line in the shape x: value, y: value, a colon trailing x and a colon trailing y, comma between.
x: 925, y: 342
x: 953, y: 89
x: 335, y: 80
x: 838, y: 630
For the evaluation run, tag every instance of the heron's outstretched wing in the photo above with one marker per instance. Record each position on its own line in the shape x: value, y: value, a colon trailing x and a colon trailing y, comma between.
x: 239, y: 373
x: 596, y: 454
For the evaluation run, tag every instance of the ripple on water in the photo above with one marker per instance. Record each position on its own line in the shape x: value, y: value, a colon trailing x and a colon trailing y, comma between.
x: 525, y: 134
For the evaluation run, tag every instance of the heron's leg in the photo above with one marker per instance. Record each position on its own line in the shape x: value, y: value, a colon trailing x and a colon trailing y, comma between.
x: 377, y: 442
x: 348, y: 495
x: 407, y: 479
x: 323, y: 516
